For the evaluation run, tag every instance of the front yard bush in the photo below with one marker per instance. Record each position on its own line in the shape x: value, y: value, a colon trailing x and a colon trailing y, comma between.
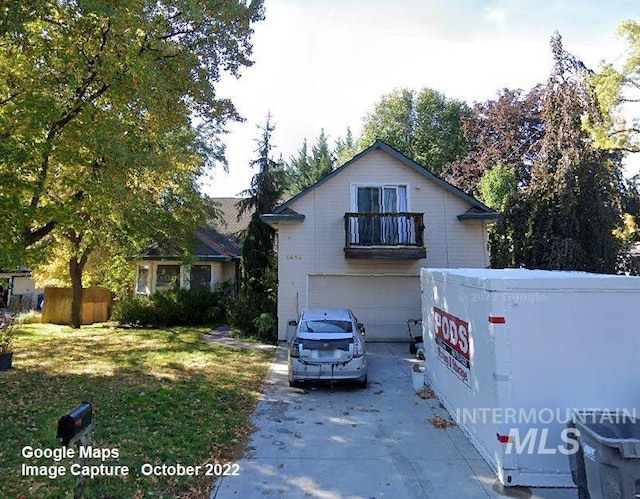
x: 176, y: 307
x: 252, y: 315
x: 134, y: 310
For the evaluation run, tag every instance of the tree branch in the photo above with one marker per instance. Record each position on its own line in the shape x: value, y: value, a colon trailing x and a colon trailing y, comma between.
x: 10, y: 98
x: 30, y: 237
x: 176, y: 33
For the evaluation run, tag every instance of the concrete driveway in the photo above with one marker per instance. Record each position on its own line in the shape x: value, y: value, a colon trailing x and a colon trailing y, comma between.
x: 344, y: 442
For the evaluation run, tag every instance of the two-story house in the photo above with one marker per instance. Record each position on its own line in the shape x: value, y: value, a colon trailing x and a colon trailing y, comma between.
x: 358, y: 238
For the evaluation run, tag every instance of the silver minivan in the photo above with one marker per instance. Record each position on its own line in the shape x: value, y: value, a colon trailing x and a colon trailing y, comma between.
x: 328, y: 345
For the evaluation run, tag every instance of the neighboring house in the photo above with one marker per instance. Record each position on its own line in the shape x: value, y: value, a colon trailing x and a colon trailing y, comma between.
x: 216, y: 254
x: 18, y: 290
x: 358, y: 238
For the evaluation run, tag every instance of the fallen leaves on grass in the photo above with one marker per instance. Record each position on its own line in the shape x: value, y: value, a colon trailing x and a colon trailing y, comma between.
x: 160, y: 396
x: 441, y: 423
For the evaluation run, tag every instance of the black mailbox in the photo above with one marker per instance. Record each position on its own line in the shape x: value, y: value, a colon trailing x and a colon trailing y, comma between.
x: 73, y: 423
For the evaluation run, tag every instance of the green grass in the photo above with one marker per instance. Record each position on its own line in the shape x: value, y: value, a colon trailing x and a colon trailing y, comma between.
x: 159, y: 397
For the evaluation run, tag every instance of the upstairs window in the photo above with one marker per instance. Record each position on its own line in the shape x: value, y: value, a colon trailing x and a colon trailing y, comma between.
x: 382, y: 222
x: 381, y: 199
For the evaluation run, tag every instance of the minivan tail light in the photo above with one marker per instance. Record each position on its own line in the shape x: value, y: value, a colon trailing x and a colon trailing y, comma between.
x: 358, y: 347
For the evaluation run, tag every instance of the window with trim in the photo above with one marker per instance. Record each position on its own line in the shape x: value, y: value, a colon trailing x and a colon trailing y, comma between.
x: 379, y: 224
x: 200, y: 277
x: 167, y: 277
x: 142, y: 283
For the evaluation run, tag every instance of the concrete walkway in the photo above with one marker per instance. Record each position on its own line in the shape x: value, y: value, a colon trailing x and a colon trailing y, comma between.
x: 344, y: 442
x: 222, y: 336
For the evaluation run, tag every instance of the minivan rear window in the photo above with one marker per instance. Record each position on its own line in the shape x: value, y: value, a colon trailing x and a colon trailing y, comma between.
x: 327, y: 326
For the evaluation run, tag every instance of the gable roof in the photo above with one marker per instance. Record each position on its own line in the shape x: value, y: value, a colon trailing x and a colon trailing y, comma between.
x: 220, y: 240
x: 207, y: 245
x: 230, y: 224
x: 481, y: 211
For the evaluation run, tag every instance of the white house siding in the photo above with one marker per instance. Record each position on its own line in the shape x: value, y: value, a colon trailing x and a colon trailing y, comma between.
x: 315, y: 247
x: 227, y: 272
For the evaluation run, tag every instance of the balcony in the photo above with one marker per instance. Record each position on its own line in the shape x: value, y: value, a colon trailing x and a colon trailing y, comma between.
x: 384, y: 235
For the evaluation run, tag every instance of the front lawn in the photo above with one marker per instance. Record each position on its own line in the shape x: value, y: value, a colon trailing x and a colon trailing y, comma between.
x: 159, y: 397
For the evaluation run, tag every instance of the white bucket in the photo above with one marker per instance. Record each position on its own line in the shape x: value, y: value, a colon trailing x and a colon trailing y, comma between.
x: 418, y: 379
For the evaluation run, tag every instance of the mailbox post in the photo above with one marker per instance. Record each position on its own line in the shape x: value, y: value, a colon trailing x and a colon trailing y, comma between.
x: 76, y: 428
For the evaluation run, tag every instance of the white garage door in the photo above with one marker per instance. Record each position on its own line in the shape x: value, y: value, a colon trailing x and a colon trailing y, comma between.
x: 382, y: 303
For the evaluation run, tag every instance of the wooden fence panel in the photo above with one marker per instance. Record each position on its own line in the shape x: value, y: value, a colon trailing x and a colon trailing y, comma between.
x: 96, y: 305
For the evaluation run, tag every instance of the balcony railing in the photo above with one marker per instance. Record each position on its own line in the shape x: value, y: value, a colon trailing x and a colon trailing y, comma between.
x: 384, y: 235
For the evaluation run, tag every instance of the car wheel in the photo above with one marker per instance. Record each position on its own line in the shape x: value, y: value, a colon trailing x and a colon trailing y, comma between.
x: 362, y: 383
x: 294, y: 384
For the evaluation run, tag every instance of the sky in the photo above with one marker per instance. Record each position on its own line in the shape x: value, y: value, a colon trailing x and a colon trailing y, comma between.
x: 323, y: 64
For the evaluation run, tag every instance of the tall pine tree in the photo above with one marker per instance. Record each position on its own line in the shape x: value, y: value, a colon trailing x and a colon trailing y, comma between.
x: 262, y: 197
x: 306, y: 168
x: 346, y: 148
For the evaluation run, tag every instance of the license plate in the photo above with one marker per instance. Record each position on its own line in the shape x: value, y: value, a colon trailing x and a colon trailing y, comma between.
x: 326, y: 354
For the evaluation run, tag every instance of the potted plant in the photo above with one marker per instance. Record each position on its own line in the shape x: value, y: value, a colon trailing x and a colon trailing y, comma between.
x: 7, y: 333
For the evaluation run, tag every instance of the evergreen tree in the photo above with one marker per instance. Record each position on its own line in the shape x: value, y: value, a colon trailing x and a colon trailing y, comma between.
x: 254, y: 311
x: 298, y: 171
x: 306, y: 169
x: 322, y: 160
x: 345, y: 148
x: 263, y: 196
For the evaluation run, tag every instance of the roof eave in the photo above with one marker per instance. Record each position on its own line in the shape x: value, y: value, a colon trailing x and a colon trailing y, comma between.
x: 273, y: 219
x: 479, y: 216
x: 180, y: 258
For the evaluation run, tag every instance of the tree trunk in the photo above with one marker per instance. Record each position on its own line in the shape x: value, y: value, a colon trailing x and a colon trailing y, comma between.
x: 75, y: 272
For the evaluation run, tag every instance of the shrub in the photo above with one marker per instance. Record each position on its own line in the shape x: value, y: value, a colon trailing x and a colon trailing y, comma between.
x: 30, y: 317
x: 266, y: 324
x: 7, y: 333
x: 252, y: 315
x: 135, y: 310
x: 176, y: 307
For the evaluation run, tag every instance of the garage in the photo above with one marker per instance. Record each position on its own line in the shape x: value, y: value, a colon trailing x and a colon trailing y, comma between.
x: 382, y: 302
